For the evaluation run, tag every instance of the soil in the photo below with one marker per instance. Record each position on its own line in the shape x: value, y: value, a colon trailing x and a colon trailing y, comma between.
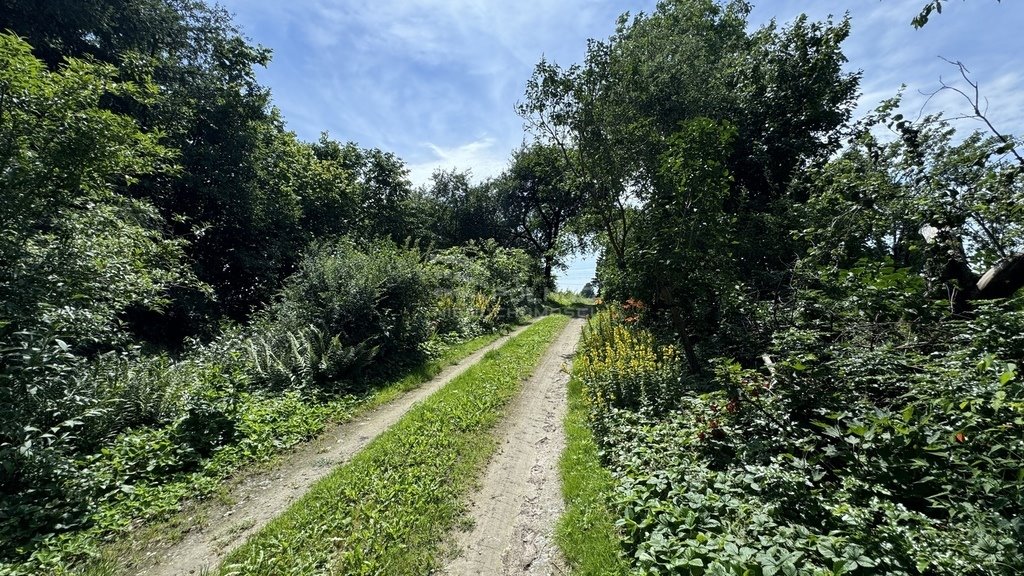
x: 256, y: 500
x: 519, y: 501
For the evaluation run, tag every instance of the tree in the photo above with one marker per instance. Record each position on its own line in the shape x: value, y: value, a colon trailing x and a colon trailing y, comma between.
x: 540, y: 197
x: 613, y: 117
x: 327, y: 189
x: 942, y: 207
x: 76, y: 254
x: 453, y: 211
x: 77, y: 257
x: 228, y: 197
x: 683, y: 266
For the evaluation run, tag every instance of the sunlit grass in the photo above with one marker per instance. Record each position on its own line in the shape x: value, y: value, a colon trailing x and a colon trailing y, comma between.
x: 586, y: 532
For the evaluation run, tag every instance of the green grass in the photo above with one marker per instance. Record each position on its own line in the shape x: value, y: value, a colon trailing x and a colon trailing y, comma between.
x: 567, y: 299
x: 452, y: 355
x: 586, y: 531
x: 389, y: 510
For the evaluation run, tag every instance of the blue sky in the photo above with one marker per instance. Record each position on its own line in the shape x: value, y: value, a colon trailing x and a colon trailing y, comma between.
x: 435, y: 81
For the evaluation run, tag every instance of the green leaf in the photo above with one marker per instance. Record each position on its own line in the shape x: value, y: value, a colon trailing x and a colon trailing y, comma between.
x: 908, y: 413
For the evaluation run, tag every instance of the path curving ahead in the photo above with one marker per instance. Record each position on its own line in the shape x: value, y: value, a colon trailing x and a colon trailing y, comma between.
x: 263, y: 497
x: 520, y: 500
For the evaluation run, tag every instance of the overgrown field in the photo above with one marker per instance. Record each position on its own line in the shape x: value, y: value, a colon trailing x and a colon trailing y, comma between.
x: 888, y: 446
x: 388, y: 510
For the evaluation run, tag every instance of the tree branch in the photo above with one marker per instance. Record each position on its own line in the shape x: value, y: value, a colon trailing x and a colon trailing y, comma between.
x: 974, y: 101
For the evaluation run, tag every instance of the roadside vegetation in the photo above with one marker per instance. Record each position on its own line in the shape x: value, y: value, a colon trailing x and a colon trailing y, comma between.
x: 390, y: 508
x: 810, y: 362
x: 187, y: 289
x: 153, y: 430
x: 587, y: 533
x: 788, y: 469
x: 119, y: 550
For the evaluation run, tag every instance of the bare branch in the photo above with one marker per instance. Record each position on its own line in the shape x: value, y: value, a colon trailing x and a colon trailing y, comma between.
x: 975, y: 101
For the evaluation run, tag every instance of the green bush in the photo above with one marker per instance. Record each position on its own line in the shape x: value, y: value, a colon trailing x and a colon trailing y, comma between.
x: 94, y: 441
x: 480, y: 286
x: 375, y: 298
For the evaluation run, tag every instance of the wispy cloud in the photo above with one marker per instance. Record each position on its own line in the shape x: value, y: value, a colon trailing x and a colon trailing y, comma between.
x: 481, y: 157
x: 891, y: 53
x: 397, y: 73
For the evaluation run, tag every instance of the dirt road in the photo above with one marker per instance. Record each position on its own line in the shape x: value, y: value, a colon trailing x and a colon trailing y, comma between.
x: 261, y: 498
x: 519, y: 501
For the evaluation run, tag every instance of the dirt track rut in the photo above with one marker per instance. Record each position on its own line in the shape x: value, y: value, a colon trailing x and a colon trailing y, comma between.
x: 519, y: 500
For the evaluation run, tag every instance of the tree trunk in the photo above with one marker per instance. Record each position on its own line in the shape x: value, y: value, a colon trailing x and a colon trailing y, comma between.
x: 1000, y: 281
x: 678, y: 313
x: 549, y: 263
x: 691, y: 353
x: 1003, y: 279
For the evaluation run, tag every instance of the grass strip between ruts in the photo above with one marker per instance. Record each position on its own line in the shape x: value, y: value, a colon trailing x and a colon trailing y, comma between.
x: 586, y: 531
x: 390, y: 508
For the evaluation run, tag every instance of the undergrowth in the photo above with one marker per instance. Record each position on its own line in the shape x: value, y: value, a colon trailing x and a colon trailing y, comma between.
x: 858, y: 447
x: 268, y: 426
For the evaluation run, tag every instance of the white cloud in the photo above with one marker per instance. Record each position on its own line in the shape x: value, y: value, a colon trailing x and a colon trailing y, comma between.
x: 481, y: 156
x: 394, y: 74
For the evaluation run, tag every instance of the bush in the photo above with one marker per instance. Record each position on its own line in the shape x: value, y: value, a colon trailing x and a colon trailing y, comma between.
x: 92, y: 441
x: 375, y: 299
x: 623, y: 368
x: 479, y: 287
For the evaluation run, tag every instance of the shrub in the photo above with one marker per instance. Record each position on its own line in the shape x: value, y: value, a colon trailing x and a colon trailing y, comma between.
x: 376, y: 299
x: 622, y: 367
x: 480, y: 286
x: 861, y: 448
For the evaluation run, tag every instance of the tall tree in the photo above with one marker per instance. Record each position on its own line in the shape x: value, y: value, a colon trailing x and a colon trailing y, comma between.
x: 75, y: 254
x: 783, y: 90
x: 540, y: 197
x: 227, y: 199
x: 453, y: 210
x: 945, y: 207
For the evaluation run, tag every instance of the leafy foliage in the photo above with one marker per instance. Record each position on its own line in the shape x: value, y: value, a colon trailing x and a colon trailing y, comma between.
x: 791, y: 469
x: 377, y: 298
x: 93, y: 444
x: 480, y: 286
x: 75, y: 254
